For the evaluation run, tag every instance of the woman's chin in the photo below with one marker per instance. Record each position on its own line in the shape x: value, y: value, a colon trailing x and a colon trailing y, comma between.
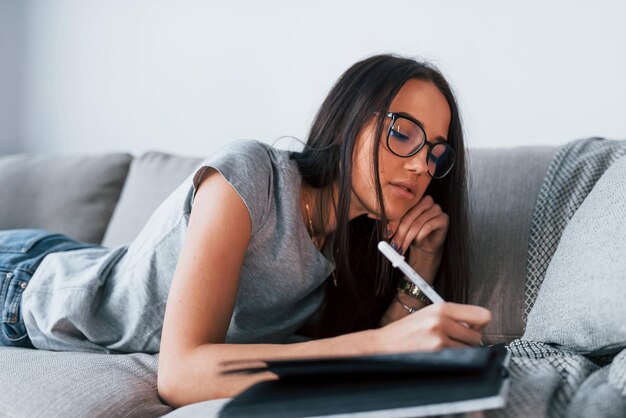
x: 395, y: 215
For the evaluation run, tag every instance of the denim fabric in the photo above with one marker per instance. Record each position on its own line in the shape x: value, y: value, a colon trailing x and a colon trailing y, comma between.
x: 21, y: 251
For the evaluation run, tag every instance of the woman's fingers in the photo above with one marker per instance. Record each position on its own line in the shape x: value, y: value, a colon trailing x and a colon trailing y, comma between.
x: 409, y: 226
x: 471, y: 314
x: 459, y: 332
x: 423, y: 225
x: 408, y: 230
x: 457, y: 322
x: 425, y: 203
x: 437, y: 326
x: 455, y: 344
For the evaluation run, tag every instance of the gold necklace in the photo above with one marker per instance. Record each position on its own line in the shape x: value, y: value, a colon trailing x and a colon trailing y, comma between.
x: 308, y: 217
x: 311, y: 232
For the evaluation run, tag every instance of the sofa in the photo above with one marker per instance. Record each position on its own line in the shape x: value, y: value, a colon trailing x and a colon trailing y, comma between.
x: 107, y: 198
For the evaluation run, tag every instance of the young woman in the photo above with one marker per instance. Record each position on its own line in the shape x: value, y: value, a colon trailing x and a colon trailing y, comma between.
x: 260, y: 246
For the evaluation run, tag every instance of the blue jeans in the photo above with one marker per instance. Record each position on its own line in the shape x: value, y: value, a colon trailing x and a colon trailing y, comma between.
x: 21, y: 251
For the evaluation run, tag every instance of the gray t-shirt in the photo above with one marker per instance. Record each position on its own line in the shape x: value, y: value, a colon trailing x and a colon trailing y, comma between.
x: 113, y: 299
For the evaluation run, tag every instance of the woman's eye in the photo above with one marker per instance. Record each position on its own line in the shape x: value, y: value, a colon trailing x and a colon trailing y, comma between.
x: 400, y: 136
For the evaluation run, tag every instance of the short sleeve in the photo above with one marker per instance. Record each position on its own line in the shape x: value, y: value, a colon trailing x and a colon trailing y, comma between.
x: 247, y: 167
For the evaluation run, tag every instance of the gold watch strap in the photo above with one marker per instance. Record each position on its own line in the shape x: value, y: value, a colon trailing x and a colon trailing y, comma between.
x: 413, y: 291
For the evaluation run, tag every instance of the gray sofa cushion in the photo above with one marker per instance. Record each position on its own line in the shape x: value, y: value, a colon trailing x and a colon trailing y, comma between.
x: 36, y: 383
x: 74, y: 195
x: 152, y: 177
x: 580, y: 304
x: 503, y: 189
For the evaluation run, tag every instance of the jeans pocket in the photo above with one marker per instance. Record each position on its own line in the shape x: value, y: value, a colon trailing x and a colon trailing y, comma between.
x: 12, y: 322
x: 21, y: 240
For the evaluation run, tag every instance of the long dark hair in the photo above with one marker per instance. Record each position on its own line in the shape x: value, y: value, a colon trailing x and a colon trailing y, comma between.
x: 366, y: 281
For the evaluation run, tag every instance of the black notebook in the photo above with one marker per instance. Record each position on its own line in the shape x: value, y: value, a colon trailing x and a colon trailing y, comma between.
x: 394, y: 385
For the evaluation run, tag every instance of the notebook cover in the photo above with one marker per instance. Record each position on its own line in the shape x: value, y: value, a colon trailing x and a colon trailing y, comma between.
x: 466, y: 359
x: 394, y: 394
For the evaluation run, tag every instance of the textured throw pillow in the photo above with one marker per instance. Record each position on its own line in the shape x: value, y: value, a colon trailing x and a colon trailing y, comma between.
x: 74, y: 195
x: 581, y: 302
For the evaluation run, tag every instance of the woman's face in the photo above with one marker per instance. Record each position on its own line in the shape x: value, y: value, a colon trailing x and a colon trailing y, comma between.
x: 403, y: 180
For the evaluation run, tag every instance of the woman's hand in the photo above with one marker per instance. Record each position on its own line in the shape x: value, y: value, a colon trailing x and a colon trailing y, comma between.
x: 434, y: 327
x: 423, y: 229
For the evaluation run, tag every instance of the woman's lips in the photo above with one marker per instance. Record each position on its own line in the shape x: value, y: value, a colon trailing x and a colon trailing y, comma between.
x: 403, y: 191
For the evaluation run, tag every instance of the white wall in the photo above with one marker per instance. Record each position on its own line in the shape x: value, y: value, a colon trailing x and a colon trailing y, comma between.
x: 187, y: 75
x: 10, y: 32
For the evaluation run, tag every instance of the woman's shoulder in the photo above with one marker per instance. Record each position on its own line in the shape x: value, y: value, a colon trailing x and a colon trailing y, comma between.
x: 245, y: 160
x: 252, y: 168
x: 248, y: 160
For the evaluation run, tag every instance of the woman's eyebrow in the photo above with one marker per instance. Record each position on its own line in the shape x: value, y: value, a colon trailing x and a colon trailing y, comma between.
x: 419, y: 122
x: 411, y: 117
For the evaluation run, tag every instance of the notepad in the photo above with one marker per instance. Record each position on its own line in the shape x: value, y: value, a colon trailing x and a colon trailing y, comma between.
x: 396, y: 385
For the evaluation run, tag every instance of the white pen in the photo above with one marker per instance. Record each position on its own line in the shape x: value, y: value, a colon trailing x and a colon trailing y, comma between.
x: 397, y: 260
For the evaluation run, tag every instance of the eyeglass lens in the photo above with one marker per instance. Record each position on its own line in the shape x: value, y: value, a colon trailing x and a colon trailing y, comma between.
x: 406, y: 137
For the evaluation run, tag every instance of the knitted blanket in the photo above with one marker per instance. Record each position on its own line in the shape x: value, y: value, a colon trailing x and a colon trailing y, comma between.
x: 549, y: 379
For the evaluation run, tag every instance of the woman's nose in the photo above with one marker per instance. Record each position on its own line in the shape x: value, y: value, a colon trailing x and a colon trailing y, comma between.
x: 417, y: 163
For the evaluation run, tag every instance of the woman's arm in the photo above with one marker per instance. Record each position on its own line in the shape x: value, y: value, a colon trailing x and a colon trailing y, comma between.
x: 202, y: 298
x: 425, y: 267
x: 396, y: 311
x: 201, y: 302
x: 197, y: 377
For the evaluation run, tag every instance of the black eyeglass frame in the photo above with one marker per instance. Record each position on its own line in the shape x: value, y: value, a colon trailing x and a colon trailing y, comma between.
x: 395, y: 116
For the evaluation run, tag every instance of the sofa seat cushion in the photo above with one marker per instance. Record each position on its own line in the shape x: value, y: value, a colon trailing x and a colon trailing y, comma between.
x: 36, y: 383
x: 73, y: 195
x: 205, y: 409
x: 152, y: 177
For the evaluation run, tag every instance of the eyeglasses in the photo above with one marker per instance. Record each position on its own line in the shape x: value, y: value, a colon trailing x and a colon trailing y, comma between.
x: 405, y: 138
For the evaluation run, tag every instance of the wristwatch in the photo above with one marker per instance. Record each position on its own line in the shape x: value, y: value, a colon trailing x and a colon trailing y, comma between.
x: 413, y: 291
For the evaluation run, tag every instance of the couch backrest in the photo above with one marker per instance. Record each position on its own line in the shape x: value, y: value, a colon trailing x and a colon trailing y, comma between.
x: 504, y: 184
x: 76, y: 195
x: 71, y: 194
x: 503, y: 189
x: 151, y: 178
